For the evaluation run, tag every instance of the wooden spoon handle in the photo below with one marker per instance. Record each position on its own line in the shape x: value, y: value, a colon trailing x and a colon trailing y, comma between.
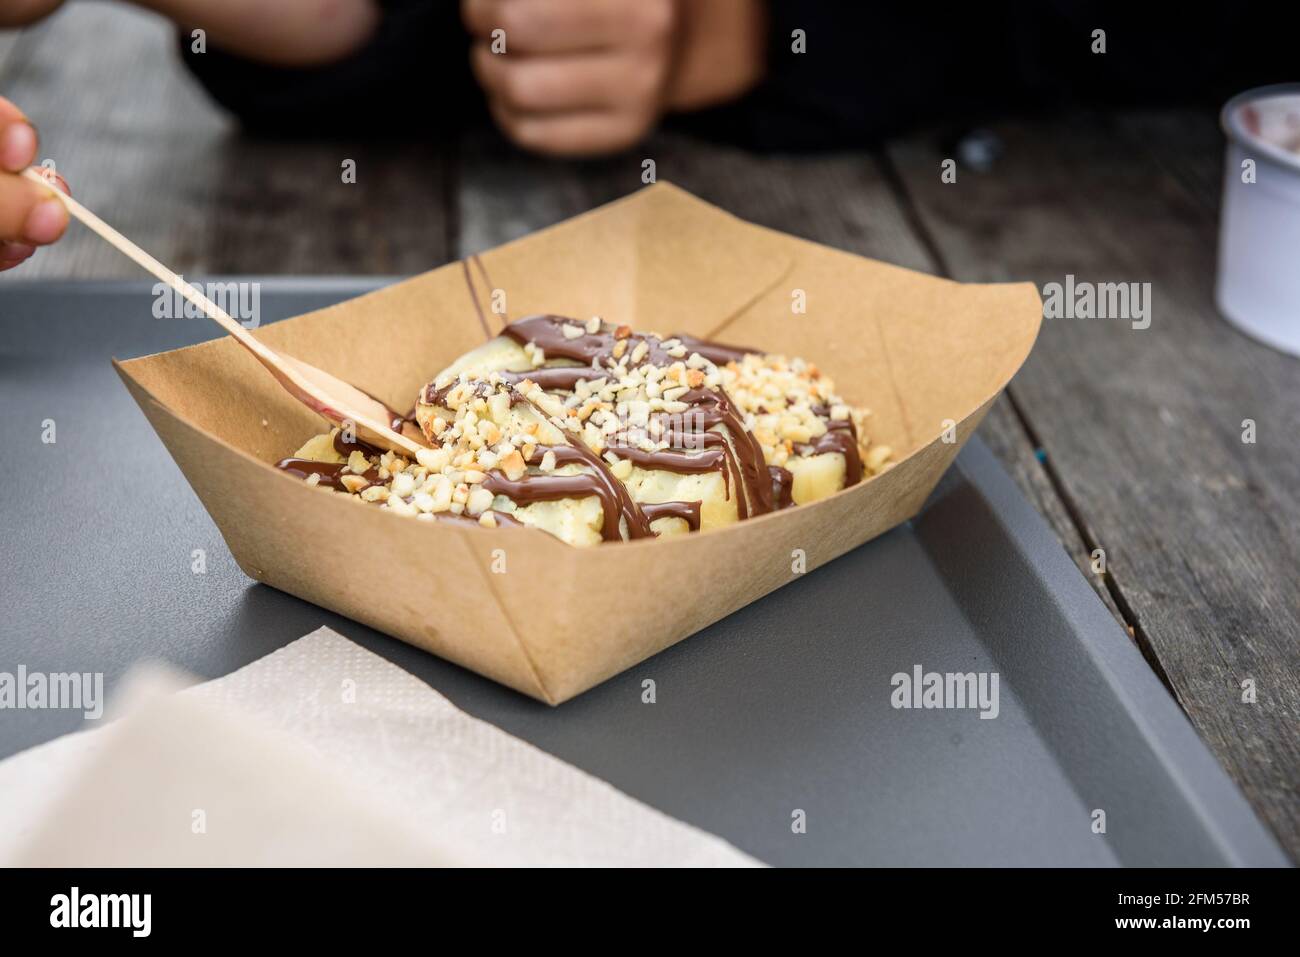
x: 147, y: 262
x: 298, y: 385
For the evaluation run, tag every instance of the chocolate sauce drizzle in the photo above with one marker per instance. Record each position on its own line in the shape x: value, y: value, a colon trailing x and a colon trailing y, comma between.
x: 687, y: 511
x: 740, y: 460
x: 760, y: 488
x: 782, y: 486
x: 841, y: 436
x: 616, y: 503
x: 330, y: 473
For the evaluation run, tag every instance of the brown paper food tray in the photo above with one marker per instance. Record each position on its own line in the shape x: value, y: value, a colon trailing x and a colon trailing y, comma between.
x: 517, y: 605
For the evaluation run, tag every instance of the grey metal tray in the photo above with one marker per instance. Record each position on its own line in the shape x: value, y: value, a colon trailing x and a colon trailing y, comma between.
x: 784, y: 706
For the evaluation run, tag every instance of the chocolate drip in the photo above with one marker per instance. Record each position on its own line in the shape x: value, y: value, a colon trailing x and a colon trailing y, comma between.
x: 782, y: 486
x: 716, y: 408
x: 547, y: 488
x: 687, y: 511
x: 742, y: 459
x: 345, y: 448
x: 556, y: 378
x: 717, y: 453
x: 716, y: 456
x: 724, y: 462
x: 616, y: 502
x: 614, y: 499
x: 330, y: 473
x: 590, y: 348
x: 434, y: 396
x: 671, y: 460
x: 842, y: 437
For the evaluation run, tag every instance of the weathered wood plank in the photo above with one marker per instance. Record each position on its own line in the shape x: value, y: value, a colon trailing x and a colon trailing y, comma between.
x: 1144, y: 426
x: 840, y: 199
x: 143, y: 146
x: 1188, y: 146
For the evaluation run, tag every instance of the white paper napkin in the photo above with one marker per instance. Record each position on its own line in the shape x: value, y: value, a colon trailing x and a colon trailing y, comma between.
x: 322, y: 753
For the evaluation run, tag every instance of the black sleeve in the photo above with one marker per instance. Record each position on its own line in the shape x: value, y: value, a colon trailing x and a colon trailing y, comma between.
x: 415, y: 67
x: 872, y: 71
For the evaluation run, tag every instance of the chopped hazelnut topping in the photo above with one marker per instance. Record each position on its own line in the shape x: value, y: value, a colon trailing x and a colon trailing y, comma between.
x: 480, y: 500
x: 353, y: 483
x: 435, y: 460
x: 400, y: 507
x: 375, y: 493
x: 513, y: 465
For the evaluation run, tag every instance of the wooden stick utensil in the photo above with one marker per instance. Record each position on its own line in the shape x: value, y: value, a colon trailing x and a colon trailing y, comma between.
x: 342, y: 404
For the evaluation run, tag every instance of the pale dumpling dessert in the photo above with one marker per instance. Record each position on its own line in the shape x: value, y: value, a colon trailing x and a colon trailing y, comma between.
x: 593, y: 433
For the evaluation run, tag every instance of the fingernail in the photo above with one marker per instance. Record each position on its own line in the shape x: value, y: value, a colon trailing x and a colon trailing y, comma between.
x: 15, y: 252
x: 17, y: 147
x: 46, y: 222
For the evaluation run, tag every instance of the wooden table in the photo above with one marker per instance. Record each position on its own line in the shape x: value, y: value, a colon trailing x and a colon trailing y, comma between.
x: 1129, y: 441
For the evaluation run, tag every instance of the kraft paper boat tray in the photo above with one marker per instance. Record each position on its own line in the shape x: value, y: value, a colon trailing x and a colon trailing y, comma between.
x: 783, y: 706
x: 927, y: 355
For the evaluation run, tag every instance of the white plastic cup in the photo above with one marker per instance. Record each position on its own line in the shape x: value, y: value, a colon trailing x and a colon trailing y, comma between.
x: 1259, y: 233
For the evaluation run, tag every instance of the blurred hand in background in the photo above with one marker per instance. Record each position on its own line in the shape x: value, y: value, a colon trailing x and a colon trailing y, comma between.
x: 565, y: 77
x: 577, y: 77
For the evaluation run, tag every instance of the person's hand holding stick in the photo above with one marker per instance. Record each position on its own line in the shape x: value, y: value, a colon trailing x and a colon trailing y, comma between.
x: 29, y: 217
